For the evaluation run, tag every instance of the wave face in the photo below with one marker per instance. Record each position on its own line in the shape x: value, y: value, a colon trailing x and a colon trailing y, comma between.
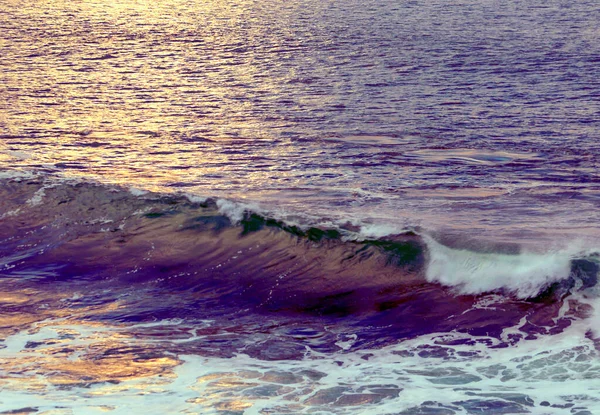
x: 135, y: 287
x: 72, y: 232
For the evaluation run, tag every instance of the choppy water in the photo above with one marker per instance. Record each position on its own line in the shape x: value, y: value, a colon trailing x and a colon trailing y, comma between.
x: 252, y: 207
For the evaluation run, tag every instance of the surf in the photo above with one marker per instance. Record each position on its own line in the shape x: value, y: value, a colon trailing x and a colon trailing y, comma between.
x: 205, y: 257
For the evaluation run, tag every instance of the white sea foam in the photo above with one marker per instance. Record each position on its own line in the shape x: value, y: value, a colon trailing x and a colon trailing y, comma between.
x: 524, y: 274
x: 542, y: 376
x: 137, y: 192
x: 195, y: 198
x: 236, y: 210
x: 10, y: 213
x: 591, y: 297
x: 16, y: 175
x: 379, y: 230
x: 37, y: 197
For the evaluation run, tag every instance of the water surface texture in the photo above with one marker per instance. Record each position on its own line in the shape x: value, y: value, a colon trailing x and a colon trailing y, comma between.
x: 299, y: 207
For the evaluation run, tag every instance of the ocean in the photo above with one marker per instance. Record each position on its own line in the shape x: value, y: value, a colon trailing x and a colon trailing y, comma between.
x: 251, y: 207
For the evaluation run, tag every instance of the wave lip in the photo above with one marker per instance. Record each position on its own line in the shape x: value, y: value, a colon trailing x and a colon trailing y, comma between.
x: 523, y: 274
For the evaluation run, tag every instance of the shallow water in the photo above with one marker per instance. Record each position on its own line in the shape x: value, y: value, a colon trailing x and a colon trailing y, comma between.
x: 251, y: 207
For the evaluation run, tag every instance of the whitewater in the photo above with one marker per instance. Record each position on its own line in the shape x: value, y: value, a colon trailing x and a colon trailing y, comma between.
x: 311, y: 207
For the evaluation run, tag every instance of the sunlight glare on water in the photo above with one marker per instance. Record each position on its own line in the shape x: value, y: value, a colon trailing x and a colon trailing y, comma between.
x: 368, y: 103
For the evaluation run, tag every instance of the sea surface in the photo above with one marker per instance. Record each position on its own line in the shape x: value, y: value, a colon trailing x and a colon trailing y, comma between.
x: 252, y: 207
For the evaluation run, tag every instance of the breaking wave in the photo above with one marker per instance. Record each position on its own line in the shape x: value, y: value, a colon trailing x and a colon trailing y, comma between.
x: 93, y: 220
x: 107, y: 285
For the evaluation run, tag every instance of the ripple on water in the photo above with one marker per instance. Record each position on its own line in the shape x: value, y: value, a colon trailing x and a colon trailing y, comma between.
x: 473, y: 156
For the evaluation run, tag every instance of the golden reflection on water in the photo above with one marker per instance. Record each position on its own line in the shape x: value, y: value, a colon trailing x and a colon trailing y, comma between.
x: 19, y: 309
x: 97, y: 361
x: 47, y: 346
x: 126, y: 81
x: 80, y: 355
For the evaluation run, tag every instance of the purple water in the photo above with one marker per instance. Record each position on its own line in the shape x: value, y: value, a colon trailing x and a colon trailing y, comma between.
x: 299, y: 207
